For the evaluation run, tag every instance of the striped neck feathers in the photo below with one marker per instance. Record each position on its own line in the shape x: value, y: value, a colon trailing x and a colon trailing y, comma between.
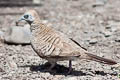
x: 37, y: 28
x: 37, y: 25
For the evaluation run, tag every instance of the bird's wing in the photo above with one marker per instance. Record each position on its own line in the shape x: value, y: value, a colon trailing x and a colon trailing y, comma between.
x: 66, y: 47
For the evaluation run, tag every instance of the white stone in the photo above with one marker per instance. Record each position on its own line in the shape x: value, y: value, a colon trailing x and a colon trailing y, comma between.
x: 36, y: 1
x: 93, y: 41
x: 18, y: 34
x: 107, y: 34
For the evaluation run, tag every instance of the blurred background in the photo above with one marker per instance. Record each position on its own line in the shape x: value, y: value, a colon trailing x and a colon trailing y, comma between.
x: 95, y: 24
x: 19, y: 2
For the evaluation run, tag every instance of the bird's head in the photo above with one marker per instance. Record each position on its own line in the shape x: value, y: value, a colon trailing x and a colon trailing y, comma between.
x: 29, y: 16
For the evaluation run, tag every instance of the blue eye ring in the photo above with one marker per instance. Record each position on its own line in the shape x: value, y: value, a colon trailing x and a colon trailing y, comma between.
x: 26, y: 16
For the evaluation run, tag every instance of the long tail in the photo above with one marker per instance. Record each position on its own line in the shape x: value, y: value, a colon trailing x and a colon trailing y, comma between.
x: 100, y: 59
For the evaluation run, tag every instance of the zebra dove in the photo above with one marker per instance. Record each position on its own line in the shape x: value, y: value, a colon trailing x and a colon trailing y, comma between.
x: 53, y: 45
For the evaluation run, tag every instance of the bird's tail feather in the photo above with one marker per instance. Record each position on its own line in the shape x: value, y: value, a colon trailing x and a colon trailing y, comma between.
x: 100, y: 59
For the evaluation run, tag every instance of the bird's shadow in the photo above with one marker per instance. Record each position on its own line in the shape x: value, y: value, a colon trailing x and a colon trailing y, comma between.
x: 57, y: 70
x: 60, y: 70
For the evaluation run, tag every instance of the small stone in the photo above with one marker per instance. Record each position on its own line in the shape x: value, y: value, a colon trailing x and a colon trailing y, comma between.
x: 113, y: 29
x: 108, y: 27
x: 118, y: 39
x: 107, y: 34
x: 36, y: 1
x: 74, y: 63
x: 1, y: 33
x: 93, y: 41
x: 69, y: 78
x: 1, y: 38
x: 12, y: 64
x: 101, y: 54
x: 118, y: 55
x: 97, y: 78
x: 99, y: 3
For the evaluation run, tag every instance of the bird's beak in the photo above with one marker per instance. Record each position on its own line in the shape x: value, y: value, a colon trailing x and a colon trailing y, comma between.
x: 21, y: 19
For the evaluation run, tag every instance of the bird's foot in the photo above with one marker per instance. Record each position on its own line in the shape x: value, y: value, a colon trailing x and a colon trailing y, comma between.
x: 69, y: 71
x: 51, y: 68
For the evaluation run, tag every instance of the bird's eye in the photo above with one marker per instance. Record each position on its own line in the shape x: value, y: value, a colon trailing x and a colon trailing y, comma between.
x: 26, y: 16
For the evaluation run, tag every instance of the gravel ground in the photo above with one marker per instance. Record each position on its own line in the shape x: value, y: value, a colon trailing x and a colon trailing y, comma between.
x: 94, y: 25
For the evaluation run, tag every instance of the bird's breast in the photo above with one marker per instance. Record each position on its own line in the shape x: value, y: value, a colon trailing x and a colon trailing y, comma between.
x: 45, y: 44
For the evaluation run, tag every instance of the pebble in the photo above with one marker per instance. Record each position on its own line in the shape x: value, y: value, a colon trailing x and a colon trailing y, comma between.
x: 1, y: 39
x: 12, y: 64
x: 36, y: 1
x: 69, y: 78
x: 93, y: 41
x: 118, y: 39
x: 74, y: 63
x: 106, y: 33
x: 113, y: 29
x: 97, y: 78
x: 108, y: 27
x: 1, y: 33
x: 99, y: 3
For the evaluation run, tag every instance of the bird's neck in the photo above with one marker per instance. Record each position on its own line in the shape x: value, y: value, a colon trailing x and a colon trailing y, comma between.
x: 37, y: 27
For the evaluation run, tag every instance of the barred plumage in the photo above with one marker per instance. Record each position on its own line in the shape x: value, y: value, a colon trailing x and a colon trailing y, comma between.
x: 54, y: 45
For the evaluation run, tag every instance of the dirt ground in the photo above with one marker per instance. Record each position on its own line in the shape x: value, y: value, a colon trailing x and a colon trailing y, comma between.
x: 95, y: 27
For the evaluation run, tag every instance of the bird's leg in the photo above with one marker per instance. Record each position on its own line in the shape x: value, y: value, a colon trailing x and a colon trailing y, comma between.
x: 70, y: 66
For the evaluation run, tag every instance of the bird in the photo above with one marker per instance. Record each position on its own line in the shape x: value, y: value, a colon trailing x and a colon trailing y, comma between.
x: 53, y: 45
